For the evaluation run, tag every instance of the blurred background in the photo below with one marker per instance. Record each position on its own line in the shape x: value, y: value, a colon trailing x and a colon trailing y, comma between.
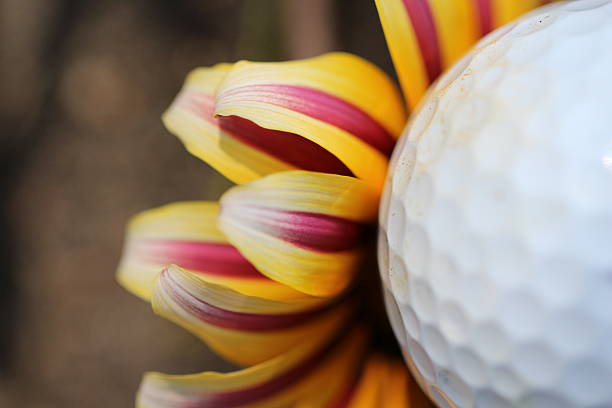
x: 82, y: 149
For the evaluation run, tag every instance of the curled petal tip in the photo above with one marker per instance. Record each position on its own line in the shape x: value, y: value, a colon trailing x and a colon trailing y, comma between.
x: 160, y: 236
x: 337, y: 101
x: 299, y: 228
x: 186, y: 234
x: 192, y: 119
x: 244, y: 329
x: 335, y: 114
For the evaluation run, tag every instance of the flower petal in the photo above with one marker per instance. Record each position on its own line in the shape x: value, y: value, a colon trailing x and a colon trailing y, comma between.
x: 282, y: 381
x: 186, y: 234
x: 504, y: 11
x: 337, y: 101
x: 404, y: 48
x: 454, y: 42
x: 427, y: 36
x: 367, y: 392
x: 384, y: 382
x: 191, y: 118
x: 302, y: 229
x: 334, y: 114
x: 401, y: 390
x: 244, y: 329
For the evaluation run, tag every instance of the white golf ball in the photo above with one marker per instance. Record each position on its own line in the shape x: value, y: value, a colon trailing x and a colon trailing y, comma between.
x: 496, y: 224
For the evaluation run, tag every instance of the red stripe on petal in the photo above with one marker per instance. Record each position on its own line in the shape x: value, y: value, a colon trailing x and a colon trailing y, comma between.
x: 269, y: 388
x: 288, y: 147
x: 322, y: 106
x: 204, y: 257
x: 257, y: 393
x: 232, y: 320
x: 485, y: 16
x: 422, y: 20
x: 313, y: 231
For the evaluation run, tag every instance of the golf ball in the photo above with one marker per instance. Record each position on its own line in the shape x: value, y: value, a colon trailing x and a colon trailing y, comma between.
x: 495, y: 244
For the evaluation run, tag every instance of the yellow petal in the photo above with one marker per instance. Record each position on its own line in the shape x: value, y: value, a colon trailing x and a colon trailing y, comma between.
x: 338, y: 101
x: 244, y: 329
x: 404, y: 49
x: 427, y: 36
x: 448, y: 16
x: 505, y: 11
x: 302, y: 229
x: 280, y: 382
x: 186, y: 234
x: 191, y: 118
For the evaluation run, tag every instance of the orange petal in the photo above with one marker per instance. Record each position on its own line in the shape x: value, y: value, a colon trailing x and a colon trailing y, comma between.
x: 384, y: 382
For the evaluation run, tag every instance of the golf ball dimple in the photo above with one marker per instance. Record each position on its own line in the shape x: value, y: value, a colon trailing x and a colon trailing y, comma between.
x: 496, y: 221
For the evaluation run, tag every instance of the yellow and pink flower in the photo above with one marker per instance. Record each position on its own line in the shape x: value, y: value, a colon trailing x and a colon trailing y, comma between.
x: 270, y: 277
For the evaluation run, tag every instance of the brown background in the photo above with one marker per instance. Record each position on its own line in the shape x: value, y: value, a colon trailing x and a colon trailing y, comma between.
x: 82, y: 149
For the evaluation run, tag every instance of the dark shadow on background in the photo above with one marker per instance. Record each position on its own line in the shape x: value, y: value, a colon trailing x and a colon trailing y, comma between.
x: 21, y: 136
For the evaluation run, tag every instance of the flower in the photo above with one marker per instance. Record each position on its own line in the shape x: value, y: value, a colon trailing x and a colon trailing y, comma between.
x: 271, y: 277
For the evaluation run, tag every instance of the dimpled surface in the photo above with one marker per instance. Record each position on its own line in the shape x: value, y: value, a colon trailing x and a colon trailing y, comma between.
x: 495, y: 244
